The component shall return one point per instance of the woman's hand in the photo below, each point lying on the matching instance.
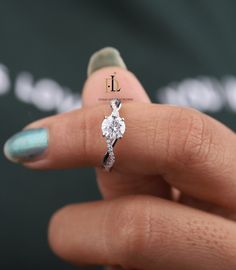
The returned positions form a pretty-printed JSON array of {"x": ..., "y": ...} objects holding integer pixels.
[{"x": 141, "y": 224}]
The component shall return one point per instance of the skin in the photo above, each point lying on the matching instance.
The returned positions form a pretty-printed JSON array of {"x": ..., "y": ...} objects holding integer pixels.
[{"x": 169, "y": 202}]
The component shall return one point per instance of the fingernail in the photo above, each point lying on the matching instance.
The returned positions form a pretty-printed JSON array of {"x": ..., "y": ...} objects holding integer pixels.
[
  {"x": 26, "y": 145},
  {"x": 106, "y": 57}
]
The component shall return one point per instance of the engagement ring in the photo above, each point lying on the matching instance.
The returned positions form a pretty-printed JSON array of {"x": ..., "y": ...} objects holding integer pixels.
[{"x": 113, "y": 128}]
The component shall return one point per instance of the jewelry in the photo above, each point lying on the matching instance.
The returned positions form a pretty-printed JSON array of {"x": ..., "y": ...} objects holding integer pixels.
[{"x": 113, "y": 128}]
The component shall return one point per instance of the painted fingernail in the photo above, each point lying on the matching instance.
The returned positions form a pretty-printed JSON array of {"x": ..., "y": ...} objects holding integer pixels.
[
  {"x": 26, "y": 145},
  {"x": 106, "y": 57}
]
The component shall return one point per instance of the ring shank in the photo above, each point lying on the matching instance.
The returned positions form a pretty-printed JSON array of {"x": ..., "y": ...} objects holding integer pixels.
[{"x": 113, "y": 128}]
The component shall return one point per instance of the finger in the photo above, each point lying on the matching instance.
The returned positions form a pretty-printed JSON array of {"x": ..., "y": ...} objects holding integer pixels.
[
  {"x": 116, "y": 184},
  {"x": 187, "y": 148},
  {"x": 207, "y": 207},
  {"x": 143, "y": 232},
  {"x": 102, "y": 65}
]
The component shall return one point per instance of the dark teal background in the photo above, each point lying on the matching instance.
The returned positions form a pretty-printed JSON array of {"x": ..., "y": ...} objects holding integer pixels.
[{"x": 161, "y": 41}]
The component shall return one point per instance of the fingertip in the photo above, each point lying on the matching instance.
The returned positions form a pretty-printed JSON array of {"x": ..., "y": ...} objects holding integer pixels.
[
  {"x": 57, "y": 228},
  {"x": 109, "y": 78},
  {"x": 106, "y": 57},
  {"x": 95, "y": 89}
]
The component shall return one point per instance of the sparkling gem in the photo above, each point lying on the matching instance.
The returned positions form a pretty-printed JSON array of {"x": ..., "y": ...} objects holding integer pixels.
[{"x": 113, "y": 127}]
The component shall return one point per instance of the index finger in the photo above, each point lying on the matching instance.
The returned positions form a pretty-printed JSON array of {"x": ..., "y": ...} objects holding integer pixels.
[{"x": 192, "y": 151}]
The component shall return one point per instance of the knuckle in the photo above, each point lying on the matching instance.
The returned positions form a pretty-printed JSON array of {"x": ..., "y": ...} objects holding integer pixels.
[
  {"x": 134, "y": 227},
  {"x": 90, "y": 149},
  {"x": 189, "y": 137},
  {"x": 88, "y": 145},
  {"x": 85, "y": 133}
]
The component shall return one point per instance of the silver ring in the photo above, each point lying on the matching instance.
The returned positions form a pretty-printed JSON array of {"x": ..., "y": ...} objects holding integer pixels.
[{"x": 113, "y": 128}]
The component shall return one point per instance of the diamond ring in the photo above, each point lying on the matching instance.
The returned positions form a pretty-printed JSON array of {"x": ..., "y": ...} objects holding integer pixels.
[{"x": 113, "y": 128}]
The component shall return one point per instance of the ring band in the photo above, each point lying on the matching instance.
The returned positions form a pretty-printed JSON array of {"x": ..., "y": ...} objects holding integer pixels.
[{"x": 113, "y": 128}]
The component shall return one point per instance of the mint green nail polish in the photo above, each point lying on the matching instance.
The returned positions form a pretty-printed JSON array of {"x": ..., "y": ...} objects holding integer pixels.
[
  {"x": 106, "y": 57},
  {"x": 26, "y": 145}
]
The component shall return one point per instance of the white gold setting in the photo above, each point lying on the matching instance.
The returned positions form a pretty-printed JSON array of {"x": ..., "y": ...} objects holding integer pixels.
[{"x": 113, "y": 128}]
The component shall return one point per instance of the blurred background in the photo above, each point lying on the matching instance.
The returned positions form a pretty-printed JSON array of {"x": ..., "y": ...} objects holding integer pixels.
[{"x": 184, "y": 53}]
